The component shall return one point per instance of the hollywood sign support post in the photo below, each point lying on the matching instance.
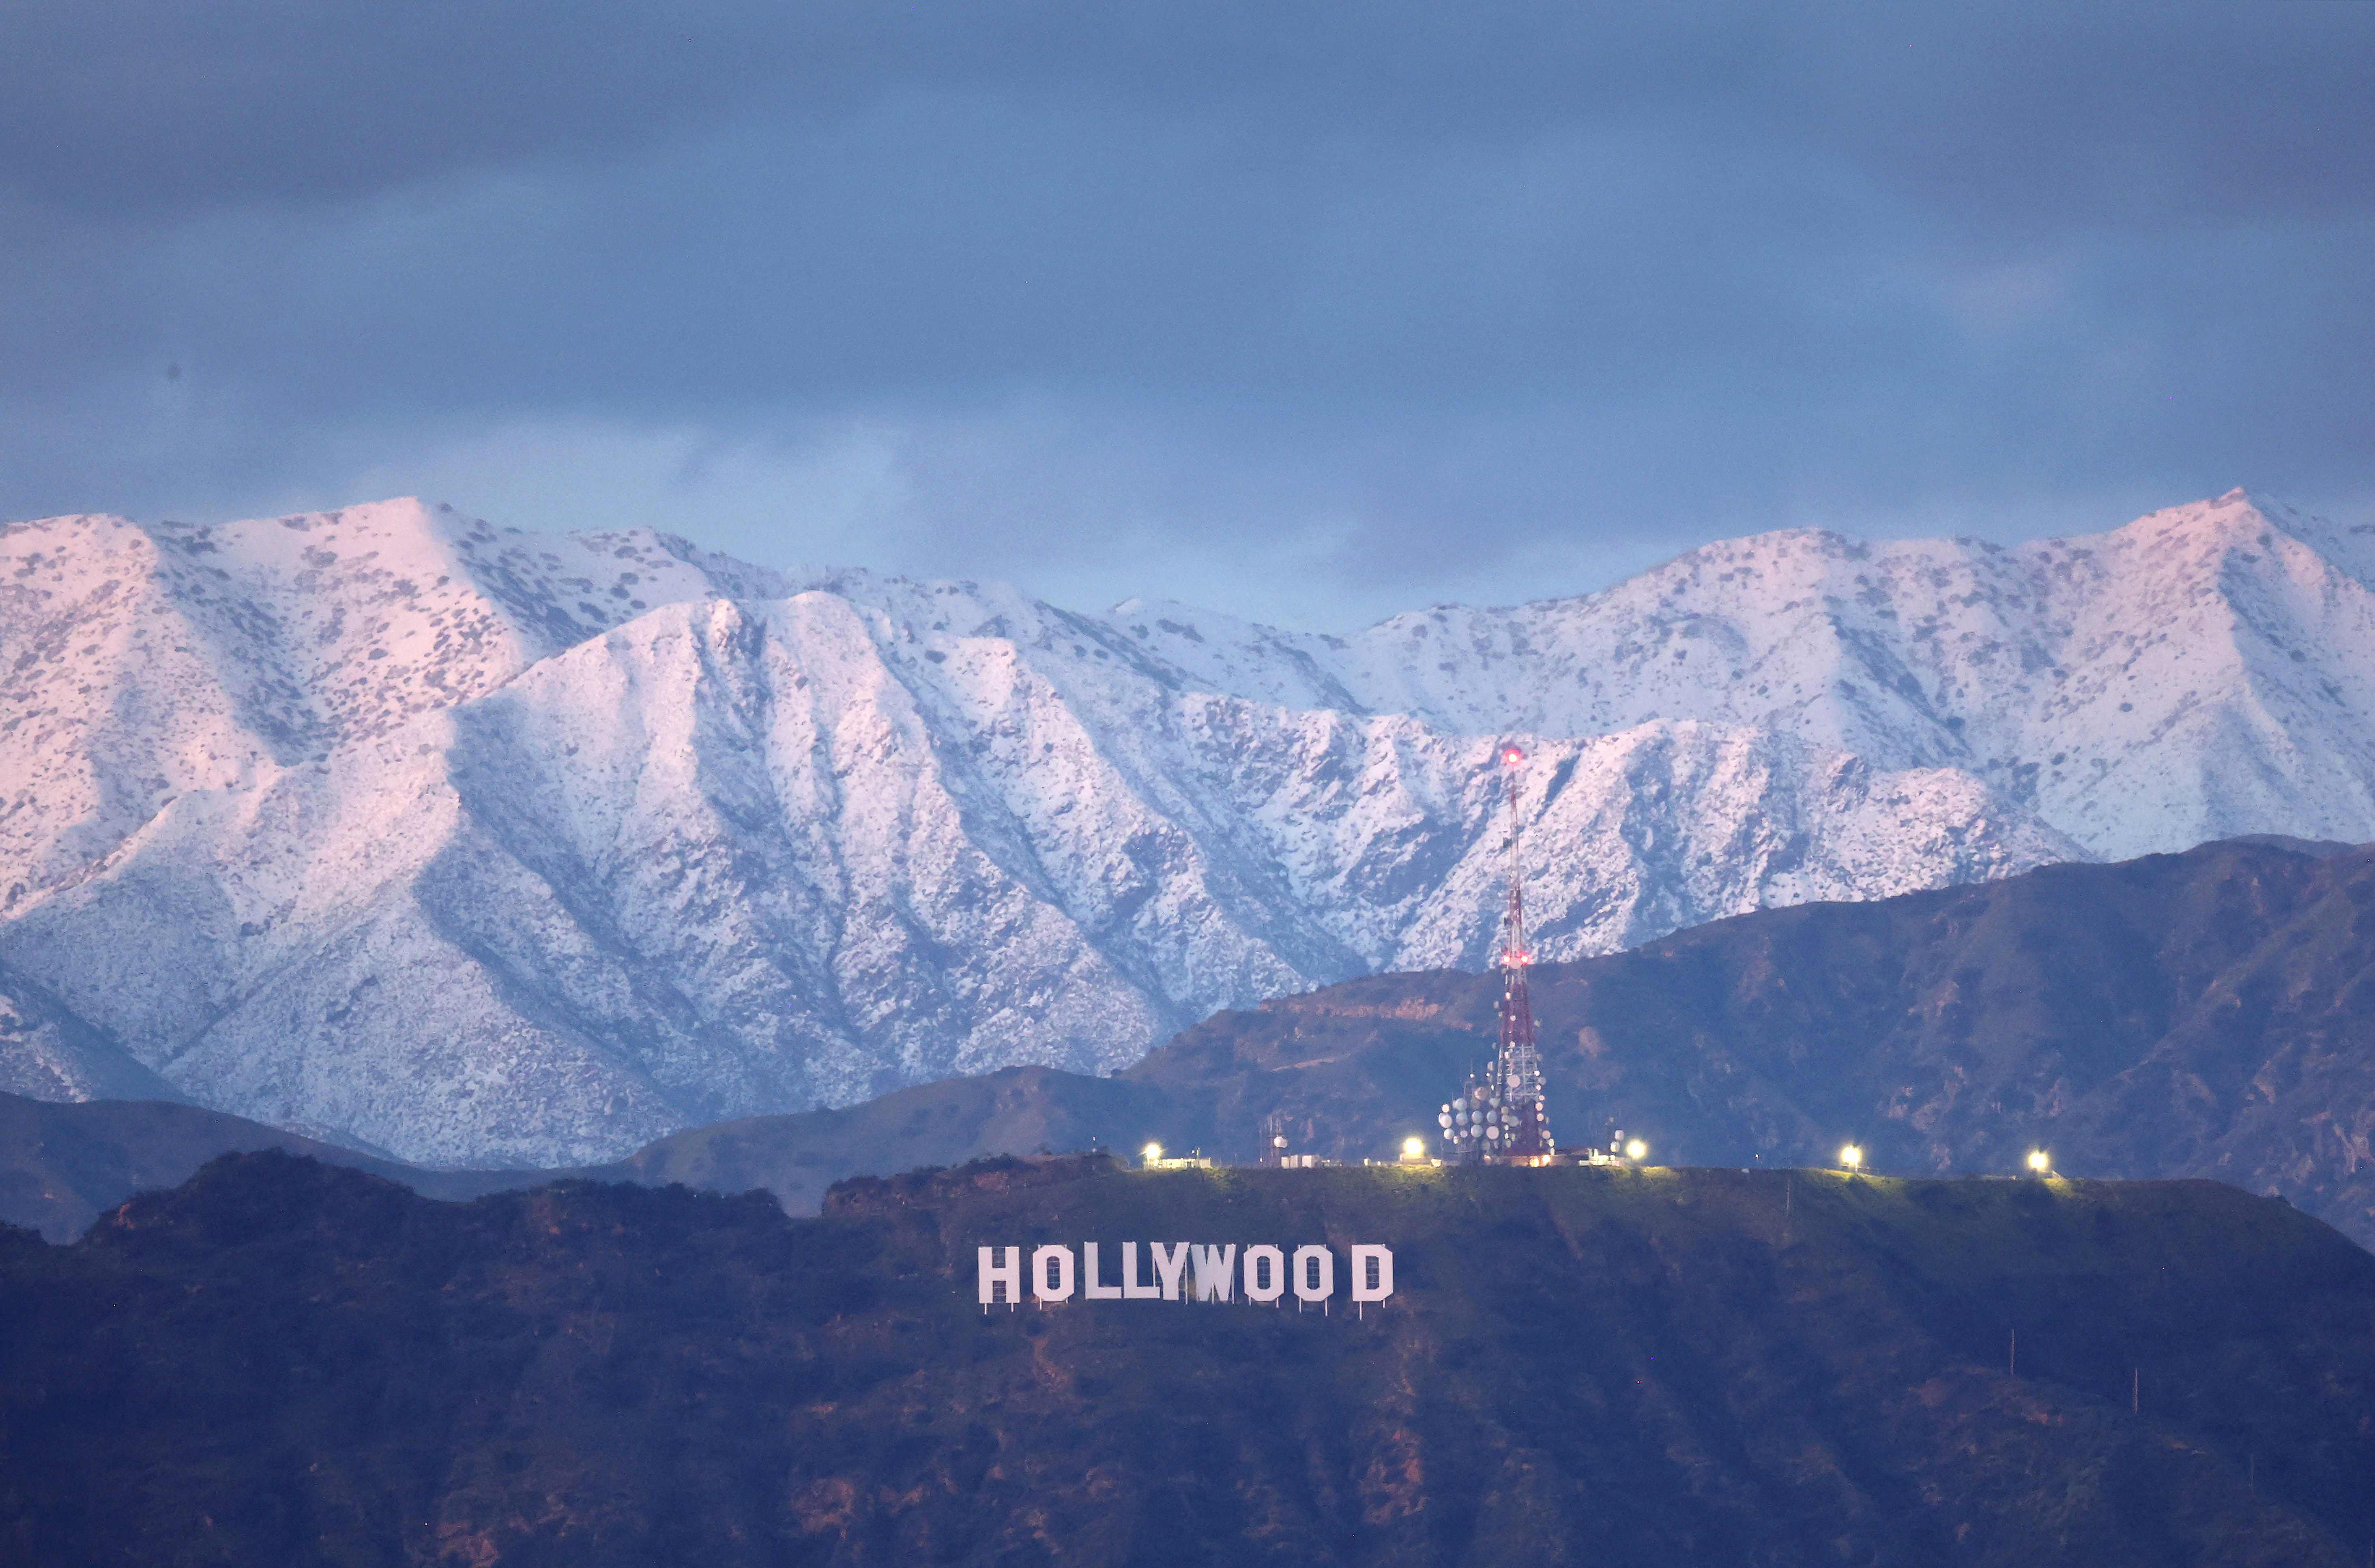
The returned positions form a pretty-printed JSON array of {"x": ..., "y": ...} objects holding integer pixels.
[{"x": 1182, "y": 1272}]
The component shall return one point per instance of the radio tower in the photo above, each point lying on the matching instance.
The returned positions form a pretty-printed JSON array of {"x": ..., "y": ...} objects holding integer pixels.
[{"x": 1499, "y": 1118}]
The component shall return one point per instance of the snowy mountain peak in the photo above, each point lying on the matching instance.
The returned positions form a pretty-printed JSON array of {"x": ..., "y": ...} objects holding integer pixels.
[
  {"x": 475, "y": 845},
  {"x": 146, "y": 661}
]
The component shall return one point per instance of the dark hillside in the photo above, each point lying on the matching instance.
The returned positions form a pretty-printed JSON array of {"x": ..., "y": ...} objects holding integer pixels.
[
  {"x": 282, "y": 1362},
  {"x": 63, "y": 1165},
  {"x": 1014, "y": 1111},
  {"x": 2206, "y": 1014}
]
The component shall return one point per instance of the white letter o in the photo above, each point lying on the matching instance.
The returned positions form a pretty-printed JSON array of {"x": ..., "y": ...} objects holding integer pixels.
[
  {"x": 1275, "y": 1274},
  {"x": 1326, "y": 1270},
  {"x": 1061, "y": 1291}
]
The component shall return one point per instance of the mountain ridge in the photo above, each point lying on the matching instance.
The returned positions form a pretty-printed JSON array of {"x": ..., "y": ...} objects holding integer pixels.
[{"x": 482, "y": 847}]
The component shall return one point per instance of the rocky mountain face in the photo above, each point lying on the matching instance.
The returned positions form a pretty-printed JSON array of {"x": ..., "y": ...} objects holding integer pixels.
[
  {"x": 304, "y": 1364},
  {"x": 452, "y": 842}
]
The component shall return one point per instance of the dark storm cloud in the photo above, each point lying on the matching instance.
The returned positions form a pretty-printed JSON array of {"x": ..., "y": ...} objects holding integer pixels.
[
  {"x": 1404, "y": 290},
  {"x": 131, "y": 106},
  {"x": 2110, "y": 110}
]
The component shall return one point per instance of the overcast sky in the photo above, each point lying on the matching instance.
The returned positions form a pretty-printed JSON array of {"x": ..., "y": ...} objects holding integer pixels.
[{"x": 1308, "y": 311}]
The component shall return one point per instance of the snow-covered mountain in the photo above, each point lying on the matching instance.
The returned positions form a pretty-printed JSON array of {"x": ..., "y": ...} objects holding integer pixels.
[{"x": 474, "y": 845}]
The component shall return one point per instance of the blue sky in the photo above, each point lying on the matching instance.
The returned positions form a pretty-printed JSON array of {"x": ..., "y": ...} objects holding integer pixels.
[{"x": 1307, "y": 311}]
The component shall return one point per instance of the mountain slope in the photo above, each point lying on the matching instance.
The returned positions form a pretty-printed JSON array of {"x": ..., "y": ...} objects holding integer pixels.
[
  {"x": 50, "y": 1054},
  {"x": 301, "y": 1363},
  {"x": 142, "y": 663},
  {"x": 63, "y": 1165},
  {"x": 2198, "y": 1015},
  {"x": 2207, "y": 1014},
  {"x": 481, "y": 848}
]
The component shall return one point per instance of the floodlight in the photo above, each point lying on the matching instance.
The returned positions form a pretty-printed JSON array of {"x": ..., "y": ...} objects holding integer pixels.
[
  {"x": 1152, "y": 1152},
  {"x": 1852, "y": 1157},
  {"x": 2040, "y": 1160},
  {"x": 1413, "y": 1148},
  {"x": 1636, "y": 1149}
]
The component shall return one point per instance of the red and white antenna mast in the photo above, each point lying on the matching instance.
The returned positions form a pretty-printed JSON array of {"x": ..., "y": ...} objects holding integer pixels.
[
  {"x": 1517, "y": 1070},
  {"x": 1500, "y": 1118}
]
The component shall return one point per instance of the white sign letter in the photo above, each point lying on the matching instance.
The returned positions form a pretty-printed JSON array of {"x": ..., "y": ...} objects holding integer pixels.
[
  {"x": 1215, "y": 1271},
  {"x": 1314, "y": 1273},
  {"x": 1170, "y": 1265},
  {"x": 1060, "y": 1287},
  {"x": 1009, "y": 1274},
  {"x": 1265, "y": 1273},
  {"x": 1372, "y": 1273},
  {"x": 1089, "y": 1286},
  {"x": 1130, "y": 1288}
]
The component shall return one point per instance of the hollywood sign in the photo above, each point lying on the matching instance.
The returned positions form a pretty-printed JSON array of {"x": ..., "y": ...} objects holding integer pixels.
[{"x": 1179, "y": 1271}]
